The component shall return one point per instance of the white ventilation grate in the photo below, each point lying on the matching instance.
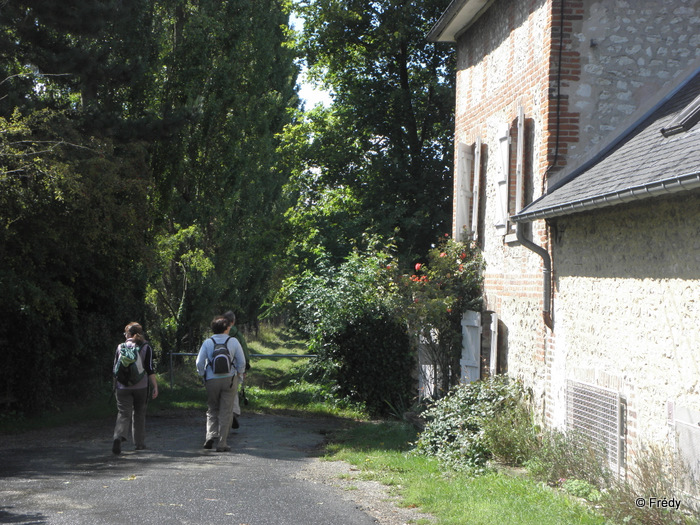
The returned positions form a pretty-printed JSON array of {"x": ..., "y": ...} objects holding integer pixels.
[{"x": 596, "y": 414}]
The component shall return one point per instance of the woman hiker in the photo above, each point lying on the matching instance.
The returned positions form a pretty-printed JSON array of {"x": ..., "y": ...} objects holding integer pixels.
[
  {"x": 132, "y": 388},
  {"x": 221, "y": 382}
]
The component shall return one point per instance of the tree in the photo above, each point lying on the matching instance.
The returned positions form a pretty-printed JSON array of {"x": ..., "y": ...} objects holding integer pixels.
[
  {"x": 390, "y": 124},
  {"x": 228, "y": 77},
  {"x": 73, "y": 206}
]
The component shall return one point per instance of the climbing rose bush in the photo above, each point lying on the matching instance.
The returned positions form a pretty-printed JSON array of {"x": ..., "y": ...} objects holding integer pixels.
[{"x": 435, "y": 296}]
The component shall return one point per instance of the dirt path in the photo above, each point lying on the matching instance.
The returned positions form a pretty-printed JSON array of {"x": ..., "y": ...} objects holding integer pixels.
[{"x": 273, "y": 477}]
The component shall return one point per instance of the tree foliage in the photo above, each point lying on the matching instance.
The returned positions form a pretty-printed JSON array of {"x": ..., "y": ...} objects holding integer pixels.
[
  {"x": 379, "y": 158},
  {"x": 228, "y": 75},
  {"x": 137, "y": 161}
]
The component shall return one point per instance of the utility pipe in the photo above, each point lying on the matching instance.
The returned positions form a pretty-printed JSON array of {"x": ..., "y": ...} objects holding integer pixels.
[{"x": 546, "y": 272}]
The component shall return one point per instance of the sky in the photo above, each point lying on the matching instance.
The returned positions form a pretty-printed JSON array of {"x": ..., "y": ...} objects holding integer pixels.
[{"x": 307, "y": 91}]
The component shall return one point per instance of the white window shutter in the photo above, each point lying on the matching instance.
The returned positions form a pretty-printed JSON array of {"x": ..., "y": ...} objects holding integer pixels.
[
  {"x": 502, "y": 177},
  {"x": 476, "y": 178},
  {"x": 519, "y": 169},
  {"x": 464, "y": 190}
]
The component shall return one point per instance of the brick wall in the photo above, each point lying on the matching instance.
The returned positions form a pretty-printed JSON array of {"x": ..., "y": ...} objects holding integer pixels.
[{"x": 501, "y": 65}]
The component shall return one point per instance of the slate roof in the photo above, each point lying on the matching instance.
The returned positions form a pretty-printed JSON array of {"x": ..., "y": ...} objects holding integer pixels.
[{"x": 641, "y": 163}]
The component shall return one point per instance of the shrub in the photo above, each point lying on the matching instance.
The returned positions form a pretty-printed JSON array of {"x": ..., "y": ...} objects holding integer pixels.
[
  {"x": 455, "y": 432},
  {"x": 374, "y": 362},
  {"x": 651, "y": 476},
  {"x": 562, "y": 456},
  {"x": 435, "y": 296},
  {"x": 581, "y": 489},
  {"x": 349, "y": 313},
  {"x": 511, "y": 435}
]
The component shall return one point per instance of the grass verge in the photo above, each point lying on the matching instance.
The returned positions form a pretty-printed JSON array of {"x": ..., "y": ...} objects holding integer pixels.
[{"x": 382, "y": 451}]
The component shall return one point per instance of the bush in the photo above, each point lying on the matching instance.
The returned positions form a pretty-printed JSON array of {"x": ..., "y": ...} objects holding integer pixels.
[
  {"x": 374, "y": 361},
  {"x": 435, "y": 296},
  {"x": 651, "y": 476},
  {"x": 455, "y": 430},
  {"x": 511, "y": 435},
  {"x": 350, "y": 314},
  {"x": 561, "y": 456}
]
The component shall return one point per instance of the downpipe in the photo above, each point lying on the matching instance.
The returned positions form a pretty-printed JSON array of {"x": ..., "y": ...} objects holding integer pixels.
[{"x": 546, "y": 272}]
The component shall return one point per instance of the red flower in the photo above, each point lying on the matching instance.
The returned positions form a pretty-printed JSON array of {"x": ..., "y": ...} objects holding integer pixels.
[
  {"x": 443, "y": 254},
  {"x": 418, "y": 265},
  {"x": 463, "y": 256}
]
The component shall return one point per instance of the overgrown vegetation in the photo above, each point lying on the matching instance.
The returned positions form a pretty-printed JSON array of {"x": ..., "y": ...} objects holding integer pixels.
[
  {"x": 481, "y": 427},
  {"x": 365, "y": 319}
]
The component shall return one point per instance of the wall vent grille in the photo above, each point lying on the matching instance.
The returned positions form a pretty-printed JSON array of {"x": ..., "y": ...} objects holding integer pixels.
[{"x": 597, "y": 415}]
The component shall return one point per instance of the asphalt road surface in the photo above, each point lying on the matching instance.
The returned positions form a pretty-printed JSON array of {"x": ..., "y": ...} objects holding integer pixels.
[{"x": 70, "y": 476}]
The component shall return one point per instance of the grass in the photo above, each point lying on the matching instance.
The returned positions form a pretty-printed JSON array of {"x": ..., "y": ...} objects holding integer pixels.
[{"x": 381, "y": 450}]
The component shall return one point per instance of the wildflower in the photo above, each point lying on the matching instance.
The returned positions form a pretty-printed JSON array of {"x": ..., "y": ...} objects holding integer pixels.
[
  {"x": 418, "y": 266},
  {"x": 443, "y": 254},
  {"x": 463, "y": 256}
]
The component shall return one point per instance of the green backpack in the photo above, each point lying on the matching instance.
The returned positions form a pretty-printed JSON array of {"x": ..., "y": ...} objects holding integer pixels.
[{"x": 129, "y": 368}]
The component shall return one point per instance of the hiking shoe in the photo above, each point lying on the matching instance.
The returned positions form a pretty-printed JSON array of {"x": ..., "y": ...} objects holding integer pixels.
[
  {"x": 117, "y": 446},
  {"x": 208, "y": 444},
  {"x": 225, "y": 448},
  {"x": 235, "y": 423}
]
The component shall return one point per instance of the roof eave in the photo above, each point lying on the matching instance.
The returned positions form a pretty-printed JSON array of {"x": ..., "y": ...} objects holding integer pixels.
[
  {"x": 460, "y": 14},
  {"x": 683, "y": 183}
]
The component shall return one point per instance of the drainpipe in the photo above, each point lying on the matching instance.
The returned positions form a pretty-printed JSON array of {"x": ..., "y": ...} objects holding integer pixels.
[{"x": 546, "y": 272}]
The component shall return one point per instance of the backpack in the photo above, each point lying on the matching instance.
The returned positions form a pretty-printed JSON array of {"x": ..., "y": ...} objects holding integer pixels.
[
  {"x": 221, "y": 358},
  {"x": 129, "y": 368}
]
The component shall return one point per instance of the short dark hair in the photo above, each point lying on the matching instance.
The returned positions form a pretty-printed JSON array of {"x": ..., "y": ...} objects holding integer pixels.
[
  {"x": 230, "y": 316},
  {"x": 219, "y": 324}
]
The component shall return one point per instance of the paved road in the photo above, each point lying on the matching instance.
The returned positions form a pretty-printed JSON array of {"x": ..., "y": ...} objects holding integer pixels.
[{"x": 70, "y": 476}]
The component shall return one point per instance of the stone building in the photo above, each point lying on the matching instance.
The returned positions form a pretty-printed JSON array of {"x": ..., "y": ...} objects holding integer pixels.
[{"x": 577, "y": 172}]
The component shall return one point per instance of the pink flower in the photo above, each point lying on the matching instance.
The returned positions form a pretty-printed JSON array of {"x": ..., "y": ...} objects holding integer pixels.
[
  {"x": 418, "y": 266},
  {"x": 443, "y": 254}
]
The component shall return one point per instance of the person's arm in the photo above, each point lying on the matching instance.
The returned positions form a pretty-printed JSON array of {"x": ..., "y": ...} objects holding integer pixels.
[
  {"x": 202, "y": 359},
  {"x": 238, "y": 357},
  {"x": 154, "y": 385},
  {"x": 151, "y": 371}
]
